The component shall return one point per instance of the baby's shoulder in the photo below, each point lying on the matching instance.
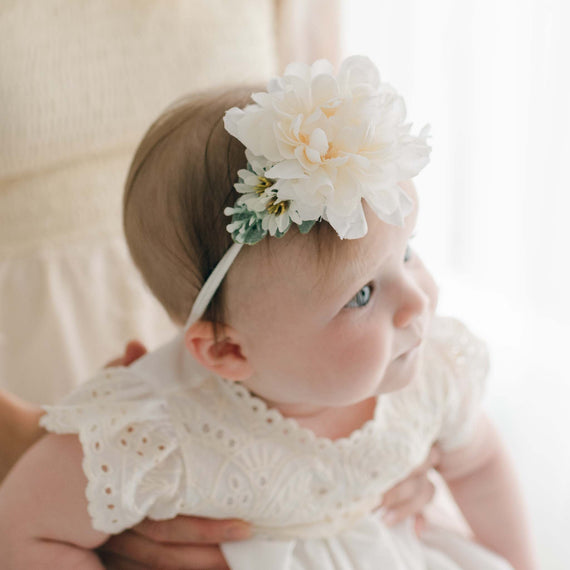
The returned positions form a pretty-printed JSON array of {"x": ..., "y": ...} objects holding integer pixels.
[
  {"x": 156, "y": 390},
  {"x": 112, "y": 397}
]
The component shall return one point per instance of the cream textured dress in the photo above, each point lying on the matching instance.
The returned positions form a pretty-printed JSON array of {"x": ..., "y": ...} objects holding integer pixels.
[
  {"x": 80, "y": 81},
  {"x": 165, "y": 437}
]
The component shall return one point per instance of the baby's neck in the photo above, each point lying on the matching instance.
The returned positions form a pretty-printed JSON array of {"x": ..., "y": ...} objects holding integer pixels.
[{"x": 332, "y": 423}]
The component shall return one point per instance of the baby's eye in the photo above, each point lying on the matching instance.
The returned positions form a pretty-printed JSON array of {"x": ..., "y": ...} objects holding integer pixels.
[{"x": 361, "y": 298}]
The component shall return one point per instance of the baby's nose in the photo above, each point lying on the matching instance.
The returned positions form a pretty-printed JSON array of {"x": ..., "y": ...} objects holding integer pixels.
[{"x": 414, "y": 302}]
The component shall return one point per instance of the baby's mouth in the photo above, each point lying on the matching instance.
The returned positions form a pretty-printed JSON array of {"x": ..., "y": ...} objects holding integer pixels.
[{"x": 410, "y": 350}]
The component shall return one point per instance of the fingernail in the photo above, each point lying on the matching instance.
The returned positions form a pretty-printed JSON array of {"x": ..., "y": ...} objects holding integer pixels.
[{"x": 238, "y": 532}]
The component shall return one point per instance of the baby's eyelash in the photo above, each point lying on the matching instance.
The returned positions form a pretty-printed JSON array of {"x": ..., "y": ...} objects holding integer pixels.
[
  {"x": 353, "y": 303},
  {"x": 409, "y": 252}
]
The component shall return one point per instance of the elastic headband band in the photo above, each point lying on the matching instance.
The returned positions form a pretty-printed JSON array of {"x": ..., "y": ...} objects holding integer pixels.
[{"x": 211, "y": 285}]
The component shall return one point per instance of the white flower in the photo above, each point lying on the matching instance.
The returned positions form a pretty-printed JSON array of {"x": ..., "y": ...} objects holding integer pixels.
[
  {"x": 329, "y": 142},
  {"x": 259, "y": 209}
]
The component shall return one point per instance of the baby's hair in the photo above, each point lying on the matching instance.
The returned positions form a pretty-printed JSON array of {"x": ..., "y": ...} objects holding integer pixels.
[{"x": 179, "y": 183}]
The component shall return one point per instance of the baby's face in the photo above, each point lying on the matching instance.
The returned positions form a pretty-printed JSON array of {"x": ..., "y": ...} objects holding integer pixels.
[{"x": 338, "y": 338}]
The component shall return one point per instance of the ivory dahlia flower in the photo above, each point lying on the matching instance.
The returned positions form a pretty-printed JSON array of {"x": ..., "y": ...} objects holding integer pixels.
[{"x": 326, "y": 143}]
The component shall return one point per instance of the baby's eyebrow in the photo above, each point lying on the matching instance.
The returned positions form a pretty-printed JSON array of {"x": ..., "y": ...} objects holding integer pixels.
[
  {"x": 346, "y": 278},
  {"x": 355, "y": 275}
]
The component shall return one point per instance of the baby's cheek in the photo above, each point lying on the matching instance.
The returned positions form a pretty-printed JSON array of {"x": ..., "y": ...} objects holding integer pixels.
[{"x": 366, "y": 358}]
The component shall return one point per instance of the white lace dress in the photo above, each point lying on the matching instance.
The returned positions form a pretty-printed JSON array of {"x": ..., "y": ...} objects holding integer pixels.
[{"x": 164, "y": 437}]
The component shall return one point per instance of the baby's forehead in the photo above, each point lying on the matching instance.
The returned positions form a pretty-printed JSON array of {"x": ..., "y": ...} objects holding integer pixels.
[
  {"x": 288, "y": 281},
  {"x": 318, "y": 263},
  {"x": 315, "y": 263}
]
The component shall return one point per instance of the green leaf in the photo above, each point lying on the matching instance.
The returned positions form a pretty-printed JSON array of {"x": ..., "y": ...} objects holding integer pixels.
[{"x": 306, "y": 226}]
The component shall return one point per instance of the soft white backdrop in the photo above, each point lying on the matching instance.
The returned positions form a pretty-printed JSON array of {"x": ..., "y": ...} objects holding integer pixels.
[{"x": 492, "y": 78}]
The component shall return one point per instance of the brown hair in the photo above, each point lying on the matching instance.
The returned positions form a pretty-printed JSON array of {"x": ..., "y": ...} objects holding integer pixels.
[{"x": 179, "y": 183}]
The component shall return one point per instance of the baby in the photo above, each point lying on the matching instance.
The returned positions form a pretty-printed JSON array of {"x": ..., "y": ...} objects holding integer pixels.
[{"x": 310, "y": 375}]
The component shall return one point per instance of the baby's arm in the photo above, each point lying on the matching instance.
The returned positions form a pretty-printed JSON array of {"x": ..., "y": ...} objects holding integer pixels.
[
  {"x": 482, "y": 482},
  {"x": 44, "y": 523}
]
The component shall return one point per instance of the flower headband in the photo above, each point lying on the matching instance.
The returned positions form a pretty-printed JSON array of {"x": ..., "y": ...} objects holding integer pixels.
[{"x": 316, "y": 146}]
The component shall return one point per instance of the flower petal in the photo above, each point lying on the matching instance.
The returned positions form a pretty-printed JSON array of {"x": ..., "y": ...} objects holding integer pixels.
[
  {"x": 322, "y": 67},
  {"x": 356, "y": 72},
  {"x": 259, "y": 164},
  {"x": 324, "y": 89},
  {"x": 254, "y": 128},
  {"x": 391, "y": 205},
  {"x": 286, "y": 169},
  {"x": 298, "y": 69},
  {"x": 307, "y": 162},
  {"x": 351, "y": 226},
  {"x": 319, "y": 141}
]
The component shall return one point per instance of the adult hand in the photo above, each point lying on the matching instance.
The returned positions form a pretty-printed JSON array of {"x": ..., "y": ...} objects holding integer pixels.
[
  {"x": 183, "y": 543},
  {"x": 411, "y": 495},
  {"x": 133, "y": 351}
]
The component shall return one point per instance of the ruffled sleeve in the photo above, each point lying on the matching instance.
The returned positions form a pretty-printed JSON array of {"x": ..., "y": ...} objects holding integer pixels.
[
  {"x": 132, "y": 457},
  {"x": 464, "y": 365}
]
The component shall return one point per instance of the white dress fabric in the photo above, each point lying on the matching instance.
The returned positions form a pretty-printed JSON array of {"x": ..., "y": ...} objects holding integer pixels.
[
  {"x": 81, "y": 83},
  {"x": 166, "y": 437}
]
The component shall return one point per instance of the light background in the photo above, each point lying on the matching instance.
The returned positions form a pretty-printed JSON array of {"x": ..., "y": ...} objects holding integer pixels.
[{"x": 492, "y": 78}]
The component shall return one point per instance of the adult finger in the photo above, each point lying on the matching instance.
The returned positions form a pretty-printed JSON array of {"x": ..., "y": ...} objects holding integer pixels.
[
  {"x": 412, "y": 505},
  {"x": 186, "y": 530},
  {"x": 144, "y": 553},
  {"x": 113, "y": 561},
  {"x": 133, "y": 351}
]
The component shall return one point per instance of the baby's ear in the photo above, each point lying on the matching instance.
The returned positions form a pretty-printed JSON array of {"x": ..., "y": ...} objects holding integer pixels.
[{"x": 225, "y": 357}]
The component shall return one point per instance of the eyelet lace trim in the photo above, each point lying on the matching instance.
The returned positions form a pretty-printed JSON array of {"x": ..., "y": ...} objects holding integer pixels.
[{"x": 278, "y": 426}]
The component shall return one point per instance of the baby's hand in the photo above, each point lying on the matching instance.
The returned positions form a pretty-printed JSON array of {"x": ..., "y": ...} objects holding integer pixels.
[
  {"x": 411, "y": 495},
  {"x": 183, "y": 543}
]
